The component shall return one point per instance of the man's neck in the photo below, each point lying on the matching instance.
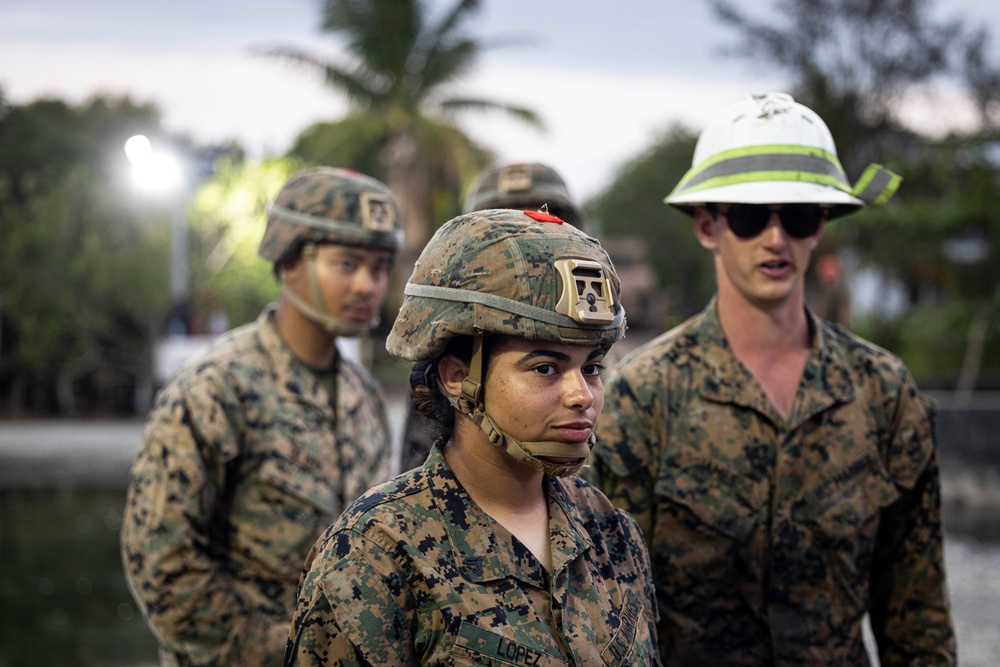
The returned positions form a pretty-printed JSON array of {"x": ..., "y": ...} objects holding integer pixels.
[
  {"x": 772, "y": 343},
  {"x": 307, "y": 340},
  {"x": 759, "y": 327}
]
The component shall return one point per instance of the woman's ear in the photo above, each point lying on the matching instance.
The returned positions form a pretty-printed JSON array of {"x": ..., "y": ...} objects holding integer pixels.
[{"x": 452, "y": 371}]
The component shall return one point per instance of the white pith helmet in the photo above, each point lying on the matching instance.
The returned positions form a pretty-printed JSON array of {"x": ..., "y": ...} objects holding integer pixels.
[{"x": 769, "y": 149}]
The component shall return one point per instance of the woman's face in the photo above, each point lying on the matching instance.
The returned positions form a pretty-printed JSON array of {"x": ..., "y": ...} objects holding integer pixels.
[{"x": 544, "y": 391}]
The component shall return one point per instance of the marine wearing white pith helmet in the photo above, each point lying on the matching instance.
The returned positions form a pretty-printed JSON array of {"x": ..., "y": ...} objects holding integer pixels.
[{"x": 769, "y": 149}]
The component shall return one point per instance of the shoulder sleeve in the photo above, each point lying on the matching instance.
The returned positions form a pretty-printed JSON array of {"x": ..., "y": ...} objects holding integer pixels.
[
  {"x": 912, "y": 432},
  {"x": 188, "y": 598},
  {"x": 630, "y": 434},
  {"x": 362, "y": 431},
  {"x": 910, "y": 607}
]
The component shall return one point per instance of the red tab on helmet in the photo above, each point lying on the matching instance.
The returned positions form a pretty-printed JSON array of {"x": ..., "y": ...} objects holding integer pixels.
[{"x": 543, "y": 217}]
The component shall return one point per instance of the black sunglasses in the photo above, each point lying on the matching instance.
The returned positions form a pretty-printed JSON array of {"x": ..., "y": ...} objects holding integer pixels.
[{"x": 748, "y": 220}]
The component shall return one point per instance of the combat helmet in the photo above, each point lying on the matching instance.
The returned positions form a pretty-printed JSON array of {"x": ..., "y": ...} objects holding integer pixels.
[
  {"x": 515, "y": 273},
  {"x": 329, "y": 205},
  {"x": 521, "y": 185},
  {"x": 769, "y": 149}
]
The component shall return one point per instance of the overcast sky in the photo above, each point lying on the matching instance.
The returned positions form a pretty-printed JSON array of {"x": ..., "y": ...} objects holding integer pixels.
[{"x": 606, "y": 77}]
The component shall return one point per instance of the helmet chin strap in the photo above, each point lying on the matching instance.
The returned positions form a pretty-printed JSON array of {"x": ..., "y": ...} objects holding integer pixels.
[
  {"x": 336, "y": 326},
  {"x": 470, "y": 403}
]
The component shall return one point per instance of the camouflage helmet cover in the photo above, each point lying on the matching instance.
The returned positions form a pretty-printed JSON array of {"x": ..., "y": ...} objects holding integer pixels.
[
  {"x": 522, "y": 185},
  {"x": 514, "y": 273},
  {"x": 330, "y": 205}
]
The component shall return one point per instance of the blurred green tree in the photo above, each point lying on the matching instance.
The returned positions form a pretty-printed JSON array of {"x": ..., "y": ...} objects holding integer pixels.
[
  {"x": 77, "y": 300},
  {"x": 398, "y": 75},
  {"x": 862, "y": 65},
  {"x": 229, "y": 211},
  {"x": 633, "y": 206}
]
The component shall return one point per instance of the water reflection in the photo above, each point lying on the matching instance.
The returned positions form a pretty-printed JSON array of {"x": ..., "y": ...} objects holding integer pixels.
[{"x": 64, "y": 597}]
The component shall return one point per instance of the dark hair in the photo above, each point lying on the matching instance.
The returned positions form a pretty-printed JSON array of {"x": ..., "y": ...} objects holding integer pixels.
[{"x": 289, "y": 259}]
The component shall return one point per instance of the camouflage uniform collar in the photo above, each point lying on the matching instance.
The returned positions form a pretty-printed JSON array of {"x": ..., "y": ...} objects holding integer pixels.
[
  {"x": 829, "y": 368},
  {"x": 826, "y": 378},
  {"x": 296, "y": 382},
  {"x": 724, "y": 379},
  {"x": 569, "y": 539},
  {"x": 481, "y": 552}
]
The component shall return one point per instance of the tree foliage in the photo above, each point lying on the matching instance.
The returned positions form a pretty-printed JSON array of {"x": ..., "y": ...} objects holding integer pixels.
[
  {"x": 399, "y": 76},
  {"x": 439, "y": 169},
  {"x": 858, "y": 64},
  {"x": 76, "y": 295},
  {"x": 633, "y": 206},
  {"x": 229, "y": 213}
]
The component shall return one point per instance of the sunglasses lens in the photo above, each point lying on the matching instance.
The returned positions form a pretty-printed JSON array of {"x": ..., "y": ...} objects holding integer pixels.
[
  {"x": 799, "y": 220},
  {"x": 747, "y": 220}
]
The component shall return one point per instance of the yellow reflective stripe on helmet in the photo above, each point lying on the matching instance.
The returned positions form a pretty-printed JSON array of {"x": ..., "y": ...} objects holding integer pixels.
[
  {"x": 877, "y": 185},
  {"x": 757, "y": 176},
  {"x": 769, "y": 149},
  {"x": 766, "y": 163},
  {"x": 777, "y": 162}
]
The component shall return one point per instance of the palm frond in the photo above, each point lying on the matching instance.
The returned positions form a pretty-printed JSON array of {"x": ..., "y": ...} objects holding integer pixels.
[
  {"x": 381, "y": 33},
  {"x": 523, "y": 114},
  {"x": 447, "y": 66},
  {"x": 360, "y": 87}
]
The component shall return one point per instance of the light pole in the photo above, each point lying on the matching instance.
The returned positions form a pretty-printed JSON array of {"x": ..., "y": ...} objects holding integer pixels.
[{"x": 162, "y": 173}]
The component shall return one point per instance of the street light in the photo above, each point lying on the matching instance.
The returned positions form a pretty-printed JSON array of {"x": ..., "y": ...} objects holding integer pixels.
[{"x": 161, "y": 173}]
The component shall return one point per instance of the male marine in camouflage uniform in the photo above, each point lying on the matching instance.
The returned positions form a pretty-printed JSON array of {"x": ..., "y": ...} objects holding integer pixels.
[
  {"x": 524, "y": 186},
  {"x": 784, "y": 471},
  {"x": 254, "y": 448},
  {"x": 419, "y": 571}
]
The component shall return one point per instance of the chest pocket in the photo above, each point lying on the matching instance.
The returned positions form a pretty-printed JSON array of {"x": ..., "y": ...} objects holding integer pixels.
[
  {"x": 844, "y": 511},
  {"x": 476, "y": 646},
  {"x": 713, "y": 504},
  {"x": 303, "y": 483},
  {"x": 632, "y": 644},
  {"x": 278, "y": 516}
]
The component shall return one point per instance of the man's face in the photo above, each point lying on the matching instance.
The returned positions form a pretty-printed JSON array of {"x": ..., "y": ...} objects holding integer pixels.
[
  {"x": 352, "y": 280},
  {"x": 766, "y": 269}
]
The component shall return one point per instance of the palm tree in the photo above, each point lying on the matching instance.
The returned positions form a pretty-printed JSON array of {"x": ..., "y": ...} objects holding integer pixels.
[{"x": 397, "y": 79}]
